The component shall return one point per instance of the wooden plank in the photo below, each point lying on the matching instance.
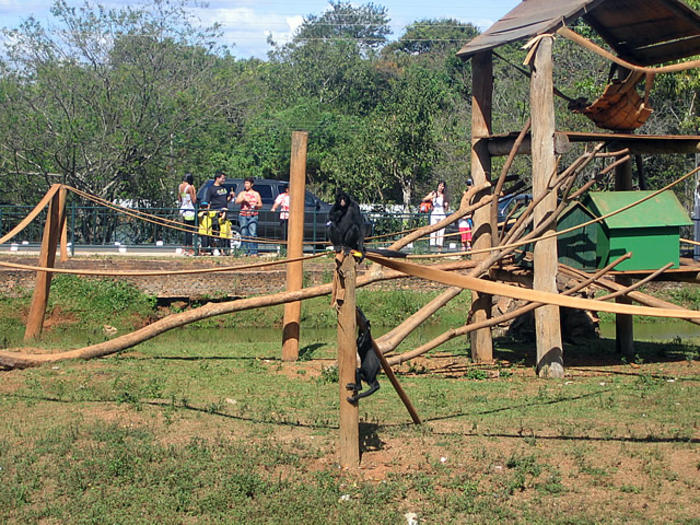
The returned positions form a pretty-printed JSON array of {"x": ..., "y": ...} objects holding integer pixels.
[
  {"x": 482, "y": 93},
  {"x": 295, "y": 244},
  {"x": 550, "y": 361}
]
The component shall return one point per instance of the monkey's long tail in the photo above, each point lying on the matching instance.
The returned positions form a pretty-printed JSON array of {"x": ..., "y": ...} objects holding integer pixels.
[{"x": 385, "y": 252}]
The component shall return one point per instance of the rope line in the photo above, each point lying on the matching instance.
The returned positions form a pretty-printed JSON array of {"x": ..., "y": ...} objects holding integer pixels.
[
  {"x": 32, "y": 214},
  {"x": 126, "y": 273}
]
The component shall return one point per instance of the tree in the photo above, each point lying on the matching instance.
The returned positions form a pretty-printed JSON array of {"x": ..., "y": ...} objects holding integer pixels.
[{"x": 109, "y": 98}]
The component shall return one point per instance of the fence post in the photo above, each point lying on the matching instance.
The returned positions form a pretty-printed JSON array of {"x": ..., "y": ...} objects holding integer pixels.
[
  {"x": 295, "y": 244},
  {"x": 347, "y": 361},
  {"x": 47, "y": 257}
]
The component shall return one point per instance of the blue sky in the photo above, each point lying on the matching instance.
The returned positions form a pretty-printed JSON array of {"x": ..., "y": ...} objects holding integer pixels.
[{"x": 246, "y": 23}]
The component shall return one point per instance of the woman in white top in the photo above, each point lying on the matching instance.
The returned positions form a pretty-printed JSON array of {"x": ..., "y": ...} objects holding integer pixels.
[
  {"x": 438, "y": 197},
  {"x": 187, "y": 198}
]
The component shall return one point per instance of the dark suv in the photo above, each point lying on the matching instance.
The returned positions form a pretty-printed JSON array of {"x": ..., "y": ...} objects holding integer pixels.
[{"x": 315, "y": 210}]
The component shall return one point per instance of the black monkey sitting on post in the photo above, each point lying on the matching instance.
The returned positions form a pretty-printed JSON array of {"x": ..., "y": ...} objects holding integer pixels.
[
  {"x": 345, "y": 225},
  {"x": 369, "y": 362},
  {"x": 346, "y": 228}
]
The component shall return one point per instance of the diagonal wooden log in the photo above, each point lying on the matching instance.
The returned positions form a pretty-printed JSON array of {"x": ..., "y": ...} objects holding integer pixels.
[
  {"x": 47, "y": 257},
  {"x": 502, "y": 177},
  {"x": 463, "y": 330},
  {"x": 639, "y": 297}
]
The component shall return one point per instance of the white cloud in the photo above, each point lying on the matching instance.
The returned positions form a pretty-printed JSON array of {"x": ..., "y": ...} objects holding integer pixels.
[{"x": 247, "y": 29}]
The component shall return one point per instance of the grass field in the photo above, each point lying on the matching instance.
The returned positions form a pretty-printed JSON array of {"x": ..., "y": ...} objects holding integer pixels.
[{"x": 207, "y": 424}]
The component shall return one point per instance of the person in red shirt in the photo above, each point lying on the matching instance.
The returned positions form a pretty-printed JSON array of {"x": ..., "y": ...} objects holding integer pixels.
[{"x": 250, "y": 202}]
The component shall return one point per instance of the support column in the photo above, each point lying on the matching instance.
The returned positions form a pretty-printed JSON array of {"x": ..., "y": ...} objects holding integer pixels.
[
  {"x": 550, "y": 359},
  {"x": 295, "y": 244},
  {"x": 482, "y": 93},
  {"x": 624, "y": 323},
  {"x": 347, "y": 363},
  {"x": 47, "y": 258}
]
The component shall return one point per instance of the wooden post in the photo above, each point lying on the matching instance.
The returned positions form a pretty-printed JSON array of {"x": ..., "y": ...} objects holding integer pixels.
[
  {"x": 47, "y": 257},
  {"x": 624, "y": 323},
  {"x": 482, "y": 93},
  {"x": 63, "y": 224},
  {"x": 347, "y": 363},
  {"x": 550, "y": 360},
  {"x": 295, "y": 244}
]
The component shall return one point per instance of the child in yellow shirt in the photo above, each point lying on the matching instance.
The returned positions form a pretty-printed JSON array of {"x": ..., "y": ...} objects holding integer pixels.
[
  {"x": 225, "y": 233},
  {"x": 205, "y": 228}
]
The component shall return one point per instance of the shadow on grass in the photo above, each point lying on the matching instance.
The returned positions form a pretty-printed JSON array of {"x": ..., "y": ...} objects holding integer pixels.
[
  {"x": 369, "y": 438},
  {"x": 369, "y": 432},
  {"x": 600, "y": 352}
]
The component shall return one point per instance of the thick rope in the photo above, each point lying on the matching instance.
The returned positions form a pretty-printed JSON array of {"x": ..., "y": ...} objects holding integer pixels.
[
  {"x": 32, "y": 214},
  {"x": 582, "y": 41}
]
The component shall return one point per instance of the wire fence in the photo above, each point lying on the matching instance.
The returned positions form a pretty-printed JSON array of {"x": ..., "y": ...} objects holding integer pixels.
[{"x": 100, "y": 226}]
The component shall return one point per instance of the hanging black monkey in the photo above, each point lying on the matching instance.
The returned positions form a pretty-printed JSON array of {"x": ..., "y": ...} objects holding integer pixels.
[{"x": 369, "y": 362}]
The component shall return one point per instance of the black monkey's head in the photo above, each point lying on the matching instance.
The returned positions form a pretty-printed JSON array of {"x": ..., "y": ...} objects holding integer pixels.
[{"x": 342, "y": 199}]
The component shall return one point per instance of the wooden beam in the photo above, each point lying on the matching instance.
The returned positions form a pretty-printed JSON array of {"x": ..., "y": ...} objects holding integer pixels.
[
  {"x": 47, "y": 258},
  {"x": 550, "y": 361},
  {"x": 482, "y": 95},
  {"x": 500, "y": 145},
  {"x": 295, "y": 245},
  {"x": 347, "y": 362}
]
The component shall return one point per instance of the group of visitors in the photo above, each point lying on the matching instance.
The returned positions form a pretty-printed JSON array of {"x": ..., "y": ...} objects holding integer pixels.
[
  {"x": 437, "y": 204},
  {"x": 215, "y": 226},
  {"x": 216, "y": 230}
]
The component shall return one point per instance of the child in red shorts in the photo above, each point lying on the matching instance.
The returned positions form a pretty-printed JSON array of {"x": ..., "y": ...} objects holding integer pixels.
[{"x": 465, "y": 231}]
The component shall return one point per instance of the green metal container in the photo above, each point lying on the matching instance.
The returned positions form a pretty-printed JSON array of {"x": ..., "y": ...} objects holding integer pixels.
[{"x": 650, "y": 230}]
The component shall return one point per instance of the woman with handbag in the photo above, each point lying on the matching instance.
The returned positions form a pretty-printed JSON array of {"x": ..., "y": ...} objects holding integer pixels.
[{"x": 440, "y": 204}]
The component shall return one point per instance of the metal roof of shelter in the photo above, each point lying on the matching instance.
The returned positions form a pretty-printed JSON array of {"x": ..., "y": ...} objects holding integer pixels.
[
  {"x": 643, "y": 32},
  {"x": 662, "y": 210}
]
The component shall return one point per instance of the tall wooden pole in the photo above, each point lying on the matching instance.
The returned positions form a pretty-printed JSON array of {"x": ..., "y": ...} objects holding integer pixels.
[
  {"x": 347, "y": 363},
  {"x": 295, "y": 244},
  {"x": 624, "y": 323},
  {"x": 482, "y": 93},
  {"x": 47, "y": 257},
  {"x": 550, "y": 359}
]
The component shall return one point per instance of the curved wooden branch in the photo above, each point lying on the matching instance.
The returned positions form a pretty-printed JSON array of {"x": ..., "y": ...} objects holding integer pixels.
[{"x": 15, "y": 358}]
